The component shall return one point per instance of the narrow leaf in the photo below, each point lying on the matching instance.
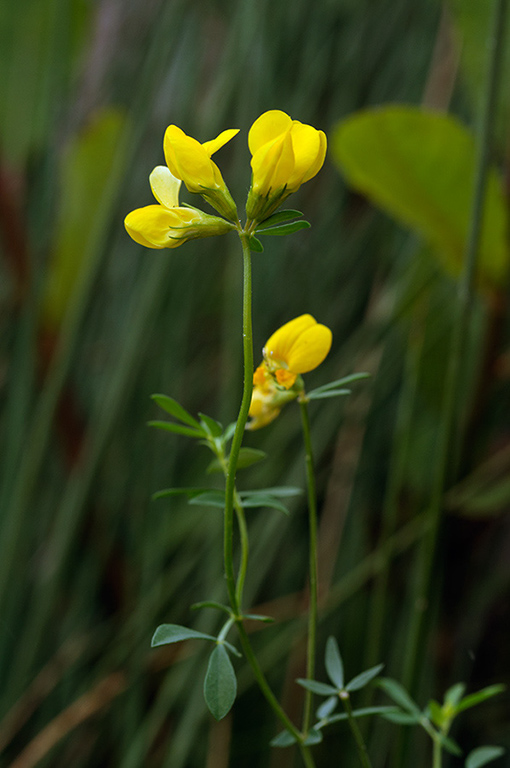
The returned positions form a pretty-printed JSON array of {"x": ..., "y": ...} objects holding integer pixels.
[
  {"x": 437, "y": 716},
  {"x": 215, "y": 428},
  {"x": 278, "y": 218},
  {"x": 362, "y": 679},
  {"x": 350, "y": 379},
  {"x": 178, "y": 429},
  {"x": 189, "y": 492},
  {"x": 454, "y": 694},
  {"x": 398, "y": 693},
  {"x": 476, "y": 698},
  {"x": 282, "y": 491},
  {"x": 285, "y": 229},
  {"x": 327, "y": 707},
  {"x": 284, "y": 739},
  {"x": 211, "y": 604},
  {"x": 329, "y": 393},
  {"x": 175, "y": 409},
  {"x": 249, "y": 456},
  {"x": 483, "y": 755},
  {"x": 314, "y": 737},
  {"x": 209, "y": 499},
  {"x": 363, "y": 712},
  {"x": 174, "y": 633},
  {"x": 333, "y": 662},
  {"x": 450, "y": 745},
  {"x": 264, "y": 500},
  {"x": 315, "y": 687},
  {"x": 259, "y": 617},
  {"x": 220, "y": 684},
  {"x": 401, "y": 718}
]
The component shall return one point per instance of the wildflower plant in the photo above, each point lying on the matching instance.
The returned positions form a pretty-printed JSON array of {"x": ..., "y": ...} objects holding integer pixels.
[{"x": 285, "y": 155}]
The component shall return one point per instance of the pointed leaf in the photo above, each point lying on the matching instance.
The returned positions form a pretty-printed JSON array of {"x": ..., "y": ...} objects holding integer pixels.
[
  {"x": 220, "y": 684},
  {"x": 327, "y": 707},
  {"x": 322, "y": 689},
  {"x": 211, "y": 604},
  {"x": 209, "y": 499},
  {"x": 175, "y": 409},
  {"x": 450, "y": 745},
  {"x": 282, "y": 491},
  {"x": 334, "y": 664},
  {"x": 174, "y": 633},
  {"x": 264, "y": 500},
  {"x": 213, "y": 427},
  {"x": 483, "y": 755},
  {"x": 362, "y": 679},
  {"x": 363, "y": 712},
  {"x": 398, "y": 693},
  {"x": 343, "y": 381},
  {"x": 284, "y": 739},
  {"x": 454, "y": 694},
  {"x": 189, "y": 492},
  {"x": 314, "y": 737},
  {"x": 437, "y": 716},
  {"x": 259, "y": 617},
  {"x": 249, "y": 456},
  {"x": 178, "y": 429},
  {"x": 278, "y": 218},
  {"x": 328, "y": 393},
  {"x": 285, "y": 229},
  {"x": 476, "y": 698},
  {"x": 401, "y": 718}
]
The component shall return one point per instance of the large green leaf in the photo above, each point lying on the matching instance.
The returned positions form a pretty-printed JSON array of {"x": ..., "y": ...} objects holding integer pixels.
[
  {"x": 220, "y": 685},
  {"x": 419, "y": 167}
]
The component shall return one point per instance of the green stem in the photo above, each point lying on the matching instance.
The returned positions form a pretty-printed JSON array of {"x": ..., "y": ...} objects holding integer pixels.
[
  {"x": 313, "y": 585},
  {"x": 358, "y": 738},
  {"x": 449, "y": 438},
  {"x": 437, "y": 754},
  {"x": 239, "y": 431},
  {"x": 243, "y": 536}
]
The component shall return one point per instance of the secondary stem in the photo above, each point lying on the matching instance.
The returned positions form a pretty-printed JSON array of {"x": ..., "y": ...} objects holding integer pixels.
[
  {"x": 313, "y": 585},
  {"x": 358, "y": 738}
]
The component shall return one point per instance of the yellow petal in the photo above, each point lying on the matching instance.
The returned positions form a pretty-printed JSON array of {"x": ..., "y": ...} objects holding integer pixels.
[
  {"x": 188, "y": 160},
  {"x": 279, "y": 345},
  {"x": 310, "y": 349},
  {"x": 319, "y": 160},
  {"x": 215, "y": 144},
  {"x": 157, "y": 227},
  {"x": 306, "y": 144},
  {"x": 165, "y": 186},
  {"x": 267, "y": 127}
]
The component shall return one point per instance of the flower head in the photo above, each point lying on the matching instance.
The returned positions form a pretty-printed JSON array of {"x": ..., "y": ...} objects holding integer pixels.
[
  {"x": 191, "y": 162},
  {"x": 297, "y": 347},
  {"x": 285, "y": 154},
  {"x": 168, "y": 224}
]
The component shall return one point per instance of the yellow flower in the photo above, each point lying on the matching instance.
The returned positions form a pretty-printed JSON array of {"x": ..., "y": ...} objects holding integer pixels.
[
  {"x": 168, "y": 224},
  {"x": 191, "y": 162},
  {"x": 297, "y": 347},
  {"x": 285, "y": 154}
]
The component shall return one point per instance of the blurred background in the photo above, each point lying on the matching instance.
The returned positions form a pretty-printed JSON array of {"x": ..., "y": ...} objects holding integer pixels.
[{"x": 93, "y": 324}]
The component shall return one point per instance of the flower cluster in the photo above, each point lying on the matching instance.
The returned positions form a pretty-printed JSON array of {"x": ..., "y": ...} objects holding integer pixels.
[
  {"x": 285, "y": 154},
  {"x": 297, "y": 347}
]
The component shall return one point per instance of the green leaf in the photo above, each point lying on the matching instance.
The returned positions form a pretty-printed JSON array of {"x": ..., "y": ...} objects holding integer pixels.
[
  {"x": 343, "y": 381},
  {"x": 328, "y": 393},
  {"x": 437, "y": 715},
  {"x": 315, "y": 687},
  {"x": 398, "y": 693},
  {"x": 419, "y": 167},
  {"x": 327, "y": 707},
  {"x": 249, "y": 456},
  {"x": 363, "y": 712},
  {"x": 334, "y": 664},
  {"x": 209, "y": 499},
  {"x": 211, "y": 604},
  {"x": 220, "y": 684},
  {"x": 402, "y": 718},
  {"x": 255, "y": 499},
  {"x": 189, "y": 492},
  {"x": 175, "y": 409},
  {"x": 476, "y": 698},
  {"x": 283, "y": 739},
  {"x": 213, "y": 427},
  {"x": 314, "y": 737},
  {"x": 174, "y": 633},
  {"x": 259, "y": 617},
  {"x": 255, "y": 244},
  {"x": 178, "y": 429},
  {"x": 454, "y": 694},
  {"x": 483, "y": 755},
  {"x": 365, "y": 677},
  {"x": 285, "y": 229},
  {"x": 281, "y": 491},
  {"x": 278, "y": 218},
  {"x": 450, "y": 745}
]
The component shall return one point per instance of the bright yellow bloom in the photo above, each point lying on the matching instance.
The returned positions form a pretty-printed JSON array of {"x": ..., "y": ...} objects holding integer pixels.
[
  {"x": 297, "y": 347},
  {"x": 285, "y": 154},
  {"x": 191, "y": 162},
  {"x": 168, "y": 224}
]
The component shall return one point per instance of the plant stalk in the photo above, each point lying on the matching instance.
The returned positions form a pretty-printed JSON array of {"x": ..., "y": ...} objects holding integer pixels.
[{"x": 358, "y": 738}]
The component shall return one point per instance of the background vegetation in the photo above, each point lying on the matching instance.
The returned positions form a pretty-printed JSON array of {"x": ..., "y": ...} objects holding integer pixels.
[{"x": 92, "y": 324}]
